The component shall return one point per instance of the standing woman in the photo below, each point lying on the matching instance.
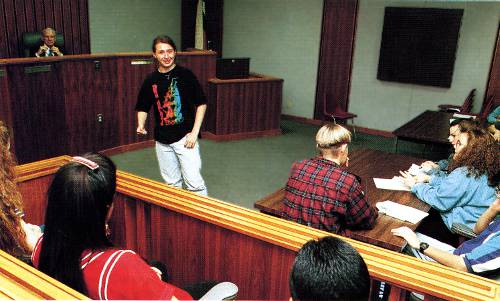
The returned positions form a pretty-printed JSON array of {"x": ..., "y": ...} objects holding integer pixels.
[
  {"x": 12, "y": 235},
  {"x": 467, "y": 191},
  {"x": 75, "y": 248}
]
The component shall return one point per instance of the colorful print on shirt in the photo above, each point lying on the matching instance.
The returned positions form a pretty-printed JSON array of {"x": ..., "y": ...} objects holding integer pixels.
[{"x": 170, "y": 107}]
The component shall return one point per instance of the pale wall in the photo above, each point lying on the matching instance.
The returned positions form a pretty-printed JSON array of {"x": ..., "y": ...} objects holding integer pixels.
[
  {"x": 131, "y": 25},
  {"x": 387, "y": 105},
  {"x": 282, "y": 39}
]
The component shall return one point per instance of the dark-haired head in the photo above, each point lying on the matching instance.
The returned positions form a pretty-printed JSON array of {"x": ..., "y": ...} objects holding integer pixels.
[
  {"x": 79, "y": 200},
  {"x": 329, "y": 269},
  {"x": 163, "y": 39}
]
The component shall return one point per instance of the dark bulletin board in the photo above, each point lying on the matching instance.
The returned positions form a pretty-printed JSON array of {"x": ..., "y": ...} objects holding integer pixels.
[{"x": 419, "y": 45}]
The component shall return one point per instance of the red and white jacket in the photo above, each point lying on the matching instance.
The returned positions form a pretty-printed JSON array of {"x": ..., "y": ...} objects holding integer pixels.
[{"x": 120, "y": 274}]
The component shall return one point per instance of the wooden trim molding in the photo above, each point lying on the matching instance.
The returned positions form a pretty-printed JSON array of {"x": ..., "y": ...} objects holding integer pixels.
[
  {"x": 19, "y": 281},
  {"x": 127, "y": 148},
  {"x": 239, "y": 136},
  {"x": 77, "y": 57}
]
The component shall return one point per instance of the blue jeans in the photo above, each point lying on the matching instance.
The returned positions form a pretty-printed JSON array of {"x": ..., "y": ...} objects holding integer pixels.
[{"x": 179, "y": 164}]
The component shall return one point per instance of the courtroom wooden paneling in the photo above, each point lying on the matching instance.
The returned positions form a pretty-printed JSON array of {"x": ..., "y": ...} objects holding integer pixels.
[
  {"x": 53, "y": 103},
  {"x": 131, "y": 72},
  {"x": 6, "y": 112},
  {"x": 202, "y": 238},
  {"x": 336, "y": 52},
  {"x": 219, "y": 254},
  {"x": 90, "y": 89},
  {"x": 37, "y": 105},
  {"x": 244, "y": 107},
  {"x": 69, "y": 17}
]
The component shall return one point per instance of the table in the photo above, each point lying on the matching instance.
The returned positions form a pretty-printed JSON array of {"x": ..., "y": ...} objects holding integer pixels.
[
  {"x": 430, "y": 127},
  {"x": 367, "y": 164}
]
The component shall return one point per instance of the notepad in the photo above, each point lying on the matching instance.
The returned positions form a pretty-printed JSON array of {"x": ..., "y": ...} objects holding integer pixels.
[
  {"x": 395, "y": 183},
  {"x": 402, "y": 212}
]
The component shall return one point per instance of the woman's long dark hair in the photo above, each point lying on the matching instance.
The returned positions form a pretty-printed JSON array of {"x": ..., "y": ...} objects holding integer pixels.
[{"x": 78, "y": 201}]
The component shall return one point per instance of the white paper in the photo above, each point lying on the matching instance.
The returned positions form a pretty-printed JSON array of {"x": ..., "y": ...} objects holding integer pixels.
[
  {"x": 402, "y": 212},
  {"x": 395, "y": 183},
  {"x": 416, "y": 170}
]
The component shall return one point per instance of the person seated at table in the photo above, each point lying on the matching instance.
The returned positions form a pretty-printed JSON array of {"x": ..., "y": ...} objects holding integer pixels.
[
  {"x": 329, "y": 269},
  {"x": 494, "y": 123},
  {"x": 320, "y": 193},
  {"x": 75, "y": 248},
  {"x": 441, "y": 167},
  {"x": 480, "y": 255},
  {"x": 466, "y": 192},
  {"x": 16, "y": 237},
  {"x": 47, "y": 45}
]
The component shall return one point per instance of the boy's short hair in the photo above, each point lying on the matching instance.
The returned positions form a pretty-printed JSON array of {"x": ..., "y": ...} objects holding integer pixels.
[{"x": 329, "y": 269}]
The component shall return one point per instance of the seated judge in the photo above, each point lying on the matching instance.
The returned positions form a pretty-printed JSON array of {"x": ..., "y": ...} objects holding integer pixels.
[
  {"x": 466, "y": 192},
  {"x": 329, "y": 269},
  {"x": 322, "y": 194},
  {"x": 480, "y": 255},
  {"x": 47, "y": 46}
]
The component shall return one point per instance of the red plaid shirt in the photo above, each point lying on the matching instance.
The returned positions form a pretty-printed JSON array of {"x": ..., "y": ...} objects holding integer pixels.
[{"x": 322, "y": 195}]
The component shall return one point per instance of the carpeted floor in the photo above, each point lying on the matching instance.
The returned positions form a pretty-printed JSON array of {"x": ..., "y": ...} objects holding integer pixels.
[{"x": 244, "y": 171}]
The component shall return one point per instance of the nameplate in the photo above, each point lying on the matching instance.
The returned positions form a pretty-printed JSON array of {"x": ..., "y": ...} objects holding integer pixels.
[
  {"x": 141, "y": 62},
  {"x": 2, "y": 72},
  {"x": 37, "y": 69}
]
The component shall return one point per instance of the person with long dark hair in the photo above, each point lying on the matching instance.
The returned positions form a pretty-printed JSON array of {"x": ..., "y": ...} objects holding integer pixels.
[
  {"x": 16, "y": 237},
  {"x": 75, "y": 248},
  {"x": 462, "y": 195}
]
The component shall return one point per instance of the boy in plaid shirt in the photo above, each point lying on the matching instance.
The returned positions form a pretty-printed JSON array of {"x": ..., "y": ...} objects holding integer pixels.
[{"x": 321, "y": 194}]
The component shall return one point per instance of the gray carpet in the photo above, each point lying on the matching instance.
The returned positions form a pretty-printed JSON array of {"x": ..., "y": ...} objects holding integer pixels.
[{"x": 244, "y": 171}]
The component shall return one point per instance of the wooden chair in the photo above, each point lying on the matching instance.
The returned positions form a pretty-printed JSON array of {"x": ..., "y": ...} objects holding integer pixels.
[
  {"x": 339, "y": 113},
  {"x": 465, "y": 108}
]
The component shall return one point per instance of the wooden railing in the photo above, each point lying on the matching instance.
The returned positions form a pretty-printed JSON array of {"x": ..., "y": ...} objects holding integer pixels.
[
  {"x": 201, "y": 238},
  {"x": 19, "y": 281}
]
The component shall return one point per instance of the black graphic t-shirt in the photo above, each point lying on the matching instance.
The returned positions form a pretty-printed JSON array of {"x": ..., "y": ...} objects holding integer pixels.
[{"x": 174, "y": 96}]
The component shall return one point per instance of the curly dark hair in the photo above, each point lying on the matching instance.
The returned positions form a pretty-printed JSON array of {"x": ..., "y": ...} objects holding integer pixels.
[
  {"x": 12, "y": 236},
  {"x": 480, "y": 155}
]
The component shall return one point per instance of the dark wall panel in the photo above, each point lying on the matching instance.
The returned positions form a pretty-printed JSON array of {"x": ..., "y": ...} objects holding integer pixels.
[
  {"x": 336, "y": 50},
  {"x": 69, "y": 17},
  {"x": 37, "y": 111}
]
